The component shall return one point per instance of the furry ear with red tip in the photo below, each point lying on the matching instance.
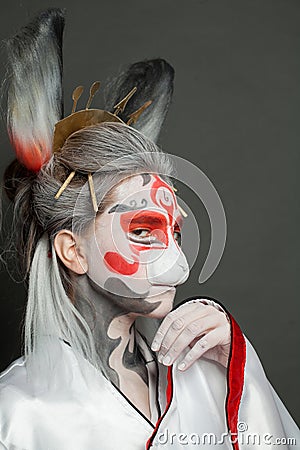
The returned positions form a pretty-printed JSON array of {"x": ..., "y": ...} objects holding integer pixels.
[
  {"x": 34, "y": 101},
  {"x": 154, "y": 81}
]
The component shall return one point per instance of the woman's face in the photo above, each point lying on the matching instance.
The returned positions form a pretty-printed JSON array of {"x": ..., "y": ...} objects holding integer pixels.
[{"x": 135, "y": 251}]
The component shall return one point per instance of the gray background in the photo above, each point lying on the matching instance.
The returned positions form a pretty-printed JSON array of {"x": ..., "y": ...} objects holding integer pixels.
[{"x": 236, "y": 115}]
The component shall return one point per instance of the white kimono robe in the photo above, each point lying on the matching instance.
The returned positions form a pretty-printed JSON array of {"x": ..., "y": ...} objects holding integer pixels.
[{"x": 204, "y": 407}]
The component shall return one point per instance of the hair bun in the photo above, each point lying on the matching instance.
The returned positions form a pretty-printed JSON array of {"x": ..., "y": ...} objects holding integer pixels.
[{"x": 14, "y": 177}]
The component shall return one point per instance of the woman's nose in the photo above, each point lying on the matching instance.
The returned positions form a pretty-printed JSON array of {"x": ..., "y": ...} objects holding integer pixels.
[{"x": 169, "y": 267}]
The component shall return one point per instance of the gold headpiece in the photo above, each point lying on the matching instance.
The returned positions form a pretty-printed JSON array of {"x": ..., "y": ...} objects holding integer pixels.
[
  {"x": 85, "y": 118},
  {"x": 88, "y": 117}
]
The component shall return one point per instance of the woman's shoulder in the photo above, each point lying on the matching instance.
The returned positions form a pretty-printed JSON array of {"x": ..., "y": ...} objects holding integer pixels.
[
  {"x": 13, "y": 376},
  {"x": 13, "y": 384},
  {"x": 14, "y": 391}
]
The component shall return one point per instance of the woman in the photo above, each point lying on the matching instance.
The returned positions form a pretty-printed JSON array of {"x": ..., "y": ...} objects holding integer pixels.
[{"x": 98, "y": 228}]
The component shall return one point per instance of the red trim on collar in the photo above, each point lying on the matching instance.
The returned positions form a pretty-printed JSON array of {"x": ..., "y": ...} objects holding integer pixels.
[
  {"x": 235, "y": 380},
  {"x": 235, "y": 384}
]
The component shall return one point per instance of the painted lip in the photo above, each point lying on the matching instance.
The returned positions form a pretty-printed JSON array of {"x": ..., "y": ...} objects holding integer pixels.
[{"x": 171, "y": 286}]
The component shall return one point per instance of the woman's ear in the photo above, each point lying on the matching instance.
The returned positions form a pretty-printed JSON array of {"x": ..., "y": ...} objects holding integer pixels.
[{"x": 70, "y": 252}]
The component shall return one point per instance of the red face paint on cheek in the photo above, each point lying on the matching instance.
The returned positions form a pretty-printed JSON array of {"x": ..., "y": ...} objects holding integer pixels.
[{"x": 116, "y": 263}]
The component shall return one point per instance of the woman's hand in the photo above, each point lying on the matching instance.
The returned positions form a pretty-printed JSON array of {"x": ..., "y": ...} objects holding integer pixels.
[{"x": 198, "y": 325}]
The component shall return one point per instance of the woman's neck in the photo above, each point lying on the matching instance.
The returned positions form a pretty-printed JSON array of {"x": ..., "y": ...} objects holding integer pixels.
[{"x": 113, "y": 329}]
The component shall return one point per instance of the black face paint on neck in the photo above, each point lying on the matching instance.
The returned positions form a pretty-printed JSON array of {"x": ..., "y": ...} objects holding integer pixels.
[{"x": 100, "y": 308}]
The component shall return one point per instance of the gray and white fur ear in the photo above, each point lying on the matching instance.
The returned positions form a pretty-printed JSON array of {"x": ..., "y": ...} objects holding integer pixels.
[
  {"x": 154, "y": 81},
  {"x": 35, "y": 98}
]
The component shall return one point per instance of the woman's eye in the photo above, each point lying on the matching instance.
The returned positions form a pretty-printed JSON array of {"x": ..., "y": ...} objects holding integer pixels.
[
  {"x": 143, "y": 236},
  {"x": 141, "y": 232}
]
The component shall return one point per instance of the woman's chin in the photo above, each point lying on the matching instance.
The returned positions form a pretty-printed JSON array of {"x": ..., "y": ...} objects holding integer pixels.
[
  {"x": 165, "y": 296},
  {"x": 161, "y": 290}
]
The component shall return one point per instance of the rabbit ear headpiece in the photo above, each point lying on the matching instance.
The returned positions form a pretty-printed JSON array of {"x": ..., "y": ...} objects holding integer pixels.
[
  {"x": 35, "y": 88},
  {"x": 35, "y": 95}
]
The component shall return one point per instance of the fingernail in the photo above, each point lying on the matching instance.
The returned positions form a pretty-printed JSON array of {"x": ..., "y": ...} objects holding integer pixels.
[
  {"x": 181, "y": 366},
  {"x": 155, "y": 346},
  {"x": 166, "y": 361},
  {"x": 160, "y": 358}
]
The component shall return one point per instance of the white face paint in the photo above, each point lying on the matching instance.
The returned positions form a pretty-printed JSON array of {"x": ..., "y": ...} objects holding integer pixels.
[{"x": 136, "y": 246}]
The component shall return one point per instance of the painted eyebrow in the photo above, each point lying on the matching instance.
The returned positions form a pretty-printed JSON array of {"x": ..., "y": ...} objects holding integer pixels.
[
  {"x": 147, "y": 218},
  {"x": 121, "y": 207}
]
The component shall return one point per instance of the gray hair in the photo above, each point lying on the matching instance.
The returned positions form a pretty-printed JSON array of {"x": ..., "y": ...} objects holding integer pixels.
[{"x": 34, "y": 105}]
